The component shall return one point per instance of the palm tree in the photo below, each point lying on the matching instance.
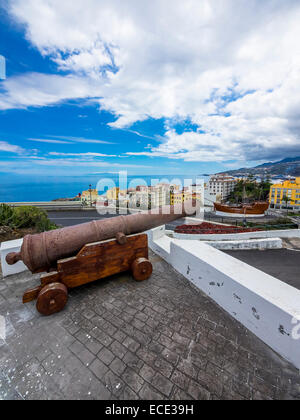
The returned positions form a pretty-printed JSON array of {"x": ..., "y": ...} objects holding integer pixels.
[{"x": 286, "y": 199}]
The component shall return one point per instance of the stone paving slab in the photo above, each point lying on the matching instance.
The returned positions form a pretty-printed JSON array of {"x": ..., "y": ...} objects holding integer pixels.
[{"x": 118, "y": 339}]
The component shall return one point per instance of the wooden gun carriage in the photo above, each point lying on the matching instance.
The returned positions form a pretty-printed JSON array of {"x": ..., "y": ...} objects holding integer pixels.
[
  {"x": 93, "y": 262},
  {"x": 82, "y": 254}
]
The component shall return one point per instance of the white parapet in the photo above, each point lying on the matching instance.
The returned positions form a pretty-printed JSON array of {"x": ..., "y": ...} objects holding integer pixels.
[
  {"x": 238, "y": 215},
  {"x": 6, "y": 248},
  {"x": 288, "y": 233},
  {"x": 265, "y": 305},
  {"x": 268, "y": 243}
]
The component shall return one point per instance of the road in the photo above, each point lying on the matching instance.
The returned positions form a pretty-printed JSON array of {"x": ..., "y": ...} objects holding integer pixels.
[
  {"x": 283, "y": 264},
  {"x": 71, "y": 218}
]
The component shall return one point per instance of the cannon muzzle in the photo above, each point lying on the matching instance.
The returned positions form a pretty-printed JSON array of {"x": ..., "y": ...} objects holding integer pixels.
[{"x": 40, "y": 252}]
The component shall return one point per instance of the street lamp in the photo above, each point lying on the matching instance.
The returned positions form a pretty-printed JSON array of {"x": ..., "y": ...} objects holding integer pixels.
[{"x": 90, "y": 191}]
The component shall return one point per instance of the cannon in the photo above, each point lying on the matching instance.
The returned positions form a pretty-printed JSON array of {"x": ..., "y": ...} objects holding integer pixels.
[{"x": 77, "y": 255}]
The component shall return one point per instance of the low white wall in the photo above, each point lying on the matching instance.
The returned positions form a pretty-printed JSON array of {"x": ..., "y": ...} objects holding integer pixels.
[
  {"x": 265, "y": 305},
  {"x": 237, "y": 215},
  {"x": 291, "y": 233},
  {"x": 6, "y": 248},
  {"x": 199, "y": 221},
  {"x": 270, "y": 243}
]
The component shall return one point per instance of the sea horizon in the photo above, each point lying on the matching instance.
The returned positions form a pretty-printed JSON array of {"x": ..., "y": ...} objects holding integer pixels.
[{"x": 31, "y": 188}]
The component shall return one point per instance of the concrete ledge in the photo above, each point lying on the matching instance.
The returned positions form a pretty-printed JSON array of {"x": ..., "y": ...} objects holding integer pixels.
[
  {"x": 289, "y": 233},
  {"x": 6, "y": 248},
  {"x": 271, "y": 243},
  {"x": 265, "y": 305},
  {"x": 238, "y": 215}
]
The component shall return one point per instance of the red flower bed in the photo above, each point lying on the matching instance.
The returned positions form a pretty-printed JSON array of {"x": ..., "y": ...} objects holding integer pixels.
[{"x": 211, "y": 228}]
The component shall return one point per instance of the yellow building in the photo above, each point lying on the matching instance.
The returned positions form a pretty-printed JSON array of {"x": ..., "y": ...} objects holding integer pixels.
[
  {"x": 289, "y": 189},
  {"x": 89, "y": 196},
  {"x": 113, "y": 194},
  {"x": 181, "y": 197},
  {"x": 176, "y": 198}
]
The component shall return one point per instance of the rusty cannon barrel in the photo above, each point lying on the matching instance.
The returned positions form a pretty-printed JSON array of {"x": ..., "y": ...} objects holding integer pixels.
[{"x": 40, "y": 252}]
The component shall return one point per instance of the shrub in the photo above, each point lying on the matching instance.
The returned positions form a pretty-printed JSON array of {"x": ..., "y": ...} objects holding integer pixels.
[
  {"x": 25, "y": 217},
  {"x": 6, "y": 215},
  {"x": 275, "y": 224},
  {"x": 280, "y": 221}
]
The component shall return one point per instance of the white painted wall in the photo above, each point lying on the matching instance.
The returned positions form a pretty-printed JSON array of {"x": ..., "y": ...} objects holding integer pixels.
[
  {"x": 6, "y": 248},
  {"x": 291, "y": 233},
  {"x": 262, "y": 303},
  {"x": 237, "y": 215},
  {"x": 270, "y": 243}
]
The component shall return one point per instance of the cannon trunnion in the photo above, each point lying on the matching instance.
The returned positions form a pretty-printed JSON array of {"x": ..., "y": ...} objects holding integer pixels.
[{"x": 93, "y": 262}]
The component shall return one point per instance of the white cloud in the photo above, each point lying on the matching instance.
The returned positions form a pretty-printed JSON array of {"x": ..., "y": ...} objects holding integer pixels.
[
  {"x": 63, "y": 167},
  {"x": 89, "y": 154},
  {"x": 75, "y": 162},
  {"x": 89, "y": 61},
  {"x": 35, "y": 89},
  {"x": 68, "y": 140},
  {"x": 82, "y": 140},
  {"x": 11, "y": 148},
  {"x": 178, "y": 60},
  {"x": 49, "y": 141}
]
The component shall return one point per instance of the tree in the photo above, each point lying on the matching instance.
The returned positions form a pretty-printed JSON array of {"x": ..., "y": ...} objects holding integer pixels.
[
  {"x": 251, "y": 178},
  {"x": 286, "y": 199},
  {"x": 250, "y": 190}
]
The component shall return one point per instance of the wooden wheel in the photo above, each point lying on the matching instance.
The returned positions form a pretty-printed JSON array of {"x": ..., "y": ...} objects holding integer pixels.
[
  {"x": 141, "y": 269},
  {"x": 52, "y": 299}
]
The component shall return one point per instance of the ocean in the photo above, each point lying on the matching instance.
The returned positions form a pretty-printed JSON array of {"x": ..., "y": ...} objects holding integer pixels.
[{"x": 33, "y": 188}]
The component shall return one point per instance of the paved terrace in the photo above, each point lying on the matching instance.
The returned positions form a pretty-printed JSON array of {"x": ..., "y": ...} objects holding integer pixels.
[{"x": 118, "y": 339}]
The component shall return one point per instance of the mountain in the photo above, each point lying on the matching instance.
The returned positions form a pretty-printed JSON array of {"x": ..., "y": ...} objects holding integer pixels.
[{"x": 288, "y": 166}]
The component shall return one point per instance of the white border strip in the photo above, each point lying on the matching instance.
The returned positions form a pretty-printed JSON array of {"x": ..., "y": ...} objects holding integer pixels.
[{"x": 290, "y": 233}]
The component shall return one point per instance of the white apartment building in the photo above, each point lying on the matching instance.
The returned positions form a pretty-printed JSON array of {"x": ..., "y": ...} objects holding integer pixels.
[
  {"x": 152, "y": 197},
  {"x": 123, "y": 199},
  {"x": 221, "y": 186},
  {"x": 210, "y": 198}
]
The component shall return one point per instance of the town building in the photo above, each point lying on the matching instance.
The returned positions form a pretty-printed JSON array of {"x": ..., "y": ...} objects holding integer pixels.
[
  {"x": 150, "y": 197},
  {"x": 113, "y": 194},
  {"x": 123, "y": 198},
  {"x": 221, "y": 185},
  {"x": 210, "y": 198},
  {"x": 286, "y": 194},
  {"x": 140, "y": 199},
  {"x": 177, "y": 198},
  {"x": 185, "y": 195},
  {"x": 161, "y": 194},
  {"x": 89, "y": 197}
]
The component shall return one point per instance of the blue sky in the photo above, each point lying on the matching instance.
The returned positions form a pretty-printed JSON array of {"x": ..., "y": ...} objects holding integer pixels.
[{"x": 104, "y": 86}]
